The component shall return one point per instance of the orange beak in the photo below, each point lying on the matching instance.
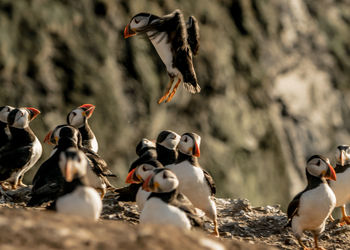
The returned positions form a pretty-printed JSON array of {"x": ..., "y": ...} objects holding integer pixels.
[
  {"x": 68, "y": 172},
  {"x": 342, "y": 161},
  {"x": 331, "y": 175},
  {"x": 145, "y": 185},
  {"x": 47, "y": 138},
  {"x": 197, "y": 152},
  {"x": 89, "y": 109},
  {"x": 34, "y": 112},
  {"x": 128, "y": 33},
  {"x": 132, "y": 178}
]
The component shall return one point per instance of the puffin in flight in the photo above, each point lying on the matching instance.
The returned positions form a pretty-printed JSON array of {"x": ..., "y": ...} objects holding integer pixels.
[
  {"x": 310, "y": 208},
  {"x": 23, "y": 149},
  {"x": 175, "y": 42}
]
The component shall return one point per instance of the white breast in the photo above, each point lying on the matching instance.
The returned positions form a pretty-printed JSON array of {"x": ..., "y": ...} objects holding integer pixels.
[
  {"x": 341, "y": 187},
  {"x": 314, "y": 208},
  {"x": 163, "y": 48},
  {"x": 94, "y": 144},
  {"x": 192, "y": 183},
  {"x": 141, "y": 198},
  {"x": 83, "y": 201},
  {"x": 156, "y": 211}
]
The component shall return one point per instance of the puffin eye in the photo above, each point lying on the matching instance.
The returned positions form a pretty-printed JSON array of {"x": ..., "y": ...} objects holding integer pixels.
[
  {"x": 318, "y": 163},
  {"x": 74, "y": 114},
  {"x": 137, "y": 21},
  {"x": 144, "y": 168},
  {"x": 185, "y": 140}
]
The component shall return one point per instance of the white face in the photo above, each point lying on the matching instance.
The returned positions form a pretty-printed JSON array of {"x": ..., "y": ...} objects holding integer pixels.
[
  {"x": 4, "y": 112},
  {"x": 139, "y": 22},
  {"x": 72, "y": 163},
  {"x": 342, "y": 155},
  {"x": 164, "y": 181},
  {"x": 76, "y": 118},
  {"x": 21, "y": 119},
  {"x": 143, "y": 171},
  {"x": 147, "y": 143},
  {"x": 171, "y": 141},
  {"x": 187, "y": 144},
  {"x": 317, "y": 167}
]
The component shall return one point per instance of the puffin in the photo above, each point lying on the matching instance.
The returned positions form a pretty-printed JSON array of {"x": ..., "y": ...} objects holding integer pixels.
[
  {"x": 146, "y": 151},
  {"x": 175, "y": 42},
  {"x": 195, "y": 182},
  {"x": 310, "y": 208},
  {"x": 79, "y": 118},
  {"x": 138, "y": 175},
  {"x": 23, "y": 149},
  {"x": 4, "y": 130},
  {"x": 48, "y": 182},
  {"x": 77, "y": 198},
  {"x": 98, "y": 170},
  {"x": 341, "y": 187},
  {"x": 165, "y": 204},
  {"x": 166, "y": 145}
]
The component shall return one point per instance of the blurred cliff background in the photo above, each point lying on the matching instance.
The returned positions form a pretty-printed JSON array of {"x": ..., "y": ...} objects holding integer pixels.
[{"x": 275, "y": 78}]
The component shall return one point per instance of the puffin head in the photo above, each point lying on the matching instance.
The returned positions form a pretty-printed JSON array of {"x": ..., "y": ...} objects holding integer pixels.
[
  {"x": 4, "y": 112},
  {"x": 161, "y": 181},
  {"x": 77, "y": 117},
  {"x": 141, "y": 172},
  {"x": 168, "y": 139},
  {"x": 189, "y": 144},
  {"x": 320, "y": 167},
  {"x": 62, "y": 132},
  {"x": 140, "y": 23},
  {"x": 21, "y": 117},
  {"x": 73, "y": 164},
  {"x": 342, "y": 155},
  {"x": 144, "y": 144}
]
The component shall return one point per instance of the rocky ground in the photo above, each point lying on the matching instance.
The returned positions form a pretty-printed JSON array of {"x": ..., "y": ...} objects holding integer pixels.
[{"x": 241, "y": 226}]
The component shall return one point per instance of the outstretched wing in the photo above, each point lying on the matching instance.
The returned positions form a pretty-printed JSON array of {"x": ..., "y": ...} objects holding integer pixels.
[{"x": 193, "y": 34}]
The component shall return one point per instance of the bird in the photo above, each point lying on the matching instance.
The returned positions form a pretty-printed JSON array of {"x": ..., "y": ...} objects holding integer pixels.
[
  {"x": 77, "y": 197},
  {"x": 78, "y": 118},
  {"x": 4, "y": 130},
  {"x": 166, "y": 144},
  {"x": 48, "y": 182},
  {"x": 98, "y": 170},
  {"x": 138, "y": 175},
  {"x": 310, "y": 208},
  {"x": 175, "y": 42},
  {"x": 165, "y": 205},
  {"x": 23, "y": 149},
  {"x": 146, "y": 151},
  {"x": 341, "y": 187},
  {"x": 195, "y": 182}
]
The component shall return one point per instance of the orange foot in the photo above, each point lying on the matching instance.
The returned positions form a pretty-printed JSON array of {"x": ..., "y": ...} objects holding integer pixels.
[{"x": 345, "y": 220}]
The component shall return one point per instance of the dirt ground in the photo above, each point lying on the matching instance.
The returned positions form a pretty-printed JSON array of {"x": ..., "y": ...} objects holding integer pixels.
[{"x": 241, "y": 226}]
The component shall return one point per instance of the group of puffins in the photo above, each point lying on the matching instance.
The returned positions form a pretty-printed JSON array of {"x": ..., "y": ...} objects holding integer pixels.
[{"x": 166, "y": 181}]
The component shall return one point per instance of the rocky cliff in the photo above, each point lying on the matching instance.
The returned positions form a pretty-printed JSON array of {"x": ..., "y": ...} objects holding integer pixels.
[{"x": 274, "y": 77}]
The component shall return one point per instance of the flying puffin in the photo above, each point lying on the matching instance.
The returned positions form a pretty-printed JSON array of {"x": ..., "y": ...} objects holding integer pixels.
[
  {"x": 175, "y": 42},
  {"x": 341, "y": 187},
  {"x": 165, "y": 205},
  {"x": 48, "y": 182},
  {"x": 146, "y": 150},
  {"x": 310, "y": 208},
  {"x": 195, "y": 182},
  {"x": 98, "y": 170},
  {"x": 79, "y": 118},
  {"x": 138, "y": 175},
  {"x": 77, "y": 197},
  {"x": 23, "y": 150},
  {"x": 4, "y": 132},
  {"x": 166, "y": 144}
]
